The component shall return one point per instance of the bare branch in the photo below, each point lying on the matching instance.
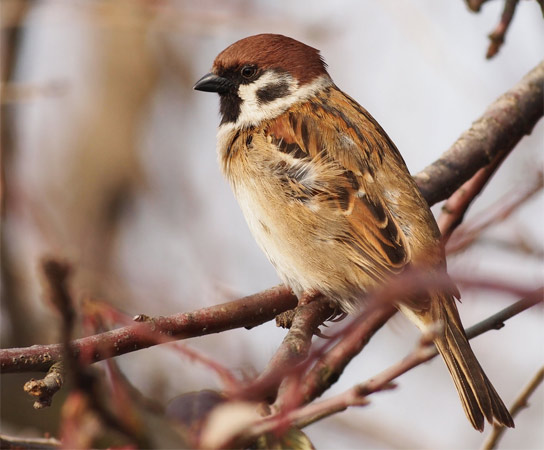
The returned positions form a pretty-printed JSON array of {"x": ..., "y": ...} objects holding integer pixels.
[
  {"x": 247, "y": 312},
  {"x": 520, "y": 403},
  {"x": 296, "y": 344},
  {"x": 357, "y": 395},
  {"x": 497, "y": 35},
  {"x": 475, "y": 5},
  {"x": 496, "y": 132},
  {"x": 496, "y": 321},
  {"x": 457, "y": 205},
  {"x": 329, "y": 368},
  {"x": 47, "y": 387},
  {"x": 466, "y": 234}
]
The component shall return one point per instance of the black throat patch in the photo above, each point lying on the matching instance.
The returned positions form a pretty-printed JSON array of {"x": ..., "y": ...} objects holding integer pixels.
[{"x": 229, "y": 107}]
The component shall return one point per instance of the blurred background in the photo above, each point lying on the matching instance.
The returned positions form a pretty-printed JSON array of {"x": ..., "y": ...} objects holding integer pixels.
[{"x": 109, "y": 161}]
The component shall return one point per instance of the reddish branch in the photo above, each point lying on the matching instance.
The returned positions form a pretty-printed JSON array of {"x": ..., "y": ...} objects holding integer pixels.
[
  {"x": 512, "y": 116},
  {"x": 246, "y": 312},
  {"x": 357, "y": 395},
  {"x": 466, "y": 234},
  {"x": 294, "y": 348},
  {"x": 296, "y": 343},
  {"x": 329, "y": 364},
  {"x": 329, "y": 368},
  {"x": 457, "y": 205},
  {"x": 497, "y": 36},
  {"x": 421, "y": 354}
]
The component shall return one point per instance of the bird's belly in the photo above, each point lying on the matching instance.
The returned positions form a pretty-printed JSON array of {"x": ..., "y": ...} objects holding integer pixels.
[{"x": 301, "y": 245}]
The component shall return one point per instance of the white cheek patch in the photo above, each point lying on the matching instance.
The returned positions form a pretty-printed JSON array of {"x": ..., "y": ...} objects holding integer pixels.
[{"x": 253, "y": 110}]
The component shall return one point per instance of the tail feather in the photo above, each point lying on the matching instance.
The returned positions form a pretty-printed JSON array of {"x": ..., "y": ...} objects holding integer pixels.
[{"x": 478, "y": 396}]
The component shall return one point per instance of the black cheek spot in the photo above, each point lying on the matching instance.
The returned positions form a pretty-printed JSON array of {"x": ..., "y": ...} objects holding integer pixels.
[{"x": 271, "y": 92}]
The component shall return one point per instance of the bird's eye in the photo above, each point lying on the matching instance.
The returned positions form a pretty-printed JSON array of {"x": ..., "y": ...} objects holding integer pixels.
[{"x": 248, "y": 71}]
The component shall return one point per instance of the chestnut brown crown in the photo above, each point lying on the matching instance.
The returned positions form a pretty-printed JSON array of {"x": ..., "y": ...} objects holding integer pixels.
[{"x": 273, "y": 51}]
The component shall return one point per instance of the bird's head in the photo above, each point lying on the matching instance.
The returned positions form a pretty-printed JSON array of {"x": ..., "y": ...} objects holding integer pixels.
[{"x": 259, "y": 77}]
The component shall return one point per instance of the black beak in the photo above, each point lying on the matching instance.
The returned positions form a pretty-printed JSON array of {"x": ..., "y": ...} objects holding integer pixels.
[{"x": 213, "y": 83}]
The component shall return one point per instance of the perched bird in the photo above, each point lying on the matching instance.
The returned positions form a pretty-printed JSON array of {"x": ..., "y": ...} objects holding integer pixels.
[{"x": 328, "y": 196}]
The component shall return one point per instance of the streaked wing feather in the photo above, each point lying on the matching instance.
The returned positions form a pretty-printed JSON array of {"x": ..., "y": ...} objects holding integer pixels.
[{"x": 347, "y": 186}]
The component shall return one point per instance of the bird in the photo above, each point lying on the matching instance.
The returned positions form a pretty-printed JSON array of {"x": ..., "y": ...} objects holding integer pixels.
[{"x": 329, "y": 199}]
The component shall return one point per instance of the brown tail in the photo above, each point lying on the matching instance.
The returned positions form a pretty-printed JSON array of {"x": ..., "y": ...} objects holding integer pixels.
[{"x": 478, "y": 396}]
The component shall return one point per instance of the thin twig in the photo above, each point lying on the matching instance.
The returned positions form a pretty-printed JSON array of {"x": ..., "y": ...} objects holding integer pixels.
[
  {"x": 520, "y": 403},
  {"x": 47, "y": 387},
  {"x": 467, "y": 233},
  {"x": 456, "y": 206},
  {"x": 498, "y": 34},
  {"x": 475, "y": 5},
  {"x": 85, "y": 383},
  {"x": 496, "y": 321}
]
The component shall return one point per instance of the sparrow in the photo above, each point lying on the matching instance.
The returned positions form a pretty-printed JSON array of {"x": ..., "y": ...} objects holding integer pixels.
[{"x": 329, "y": 198}]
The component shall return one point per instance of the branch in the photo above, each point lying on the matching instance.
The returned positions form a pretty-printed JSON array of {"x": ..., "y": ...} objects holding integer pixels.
[
  {"x": 475, "y": 5},
  {"x": 457, "y": 205},
  {"x": 466, "y": 234},
  {"x": 329, "y": 368},
  {"x": 420, "y": 355},
  {"x": 47, "y": 387},
  {"x": 357, "y": 395},
  {"x": 496, "y": 321},
  {"x": 246, "y": 312},
  {"x": 295, "y": 346},
  {"x": 497, "y": 35},
  {"x": 497, "y": 131},
  {"x": 520, "y": 403}
]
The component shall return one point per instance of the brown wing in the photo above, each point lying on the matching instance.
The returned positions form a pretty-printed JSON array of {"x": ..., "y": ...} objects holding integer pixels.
[{"x": 350, "y": 147}]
